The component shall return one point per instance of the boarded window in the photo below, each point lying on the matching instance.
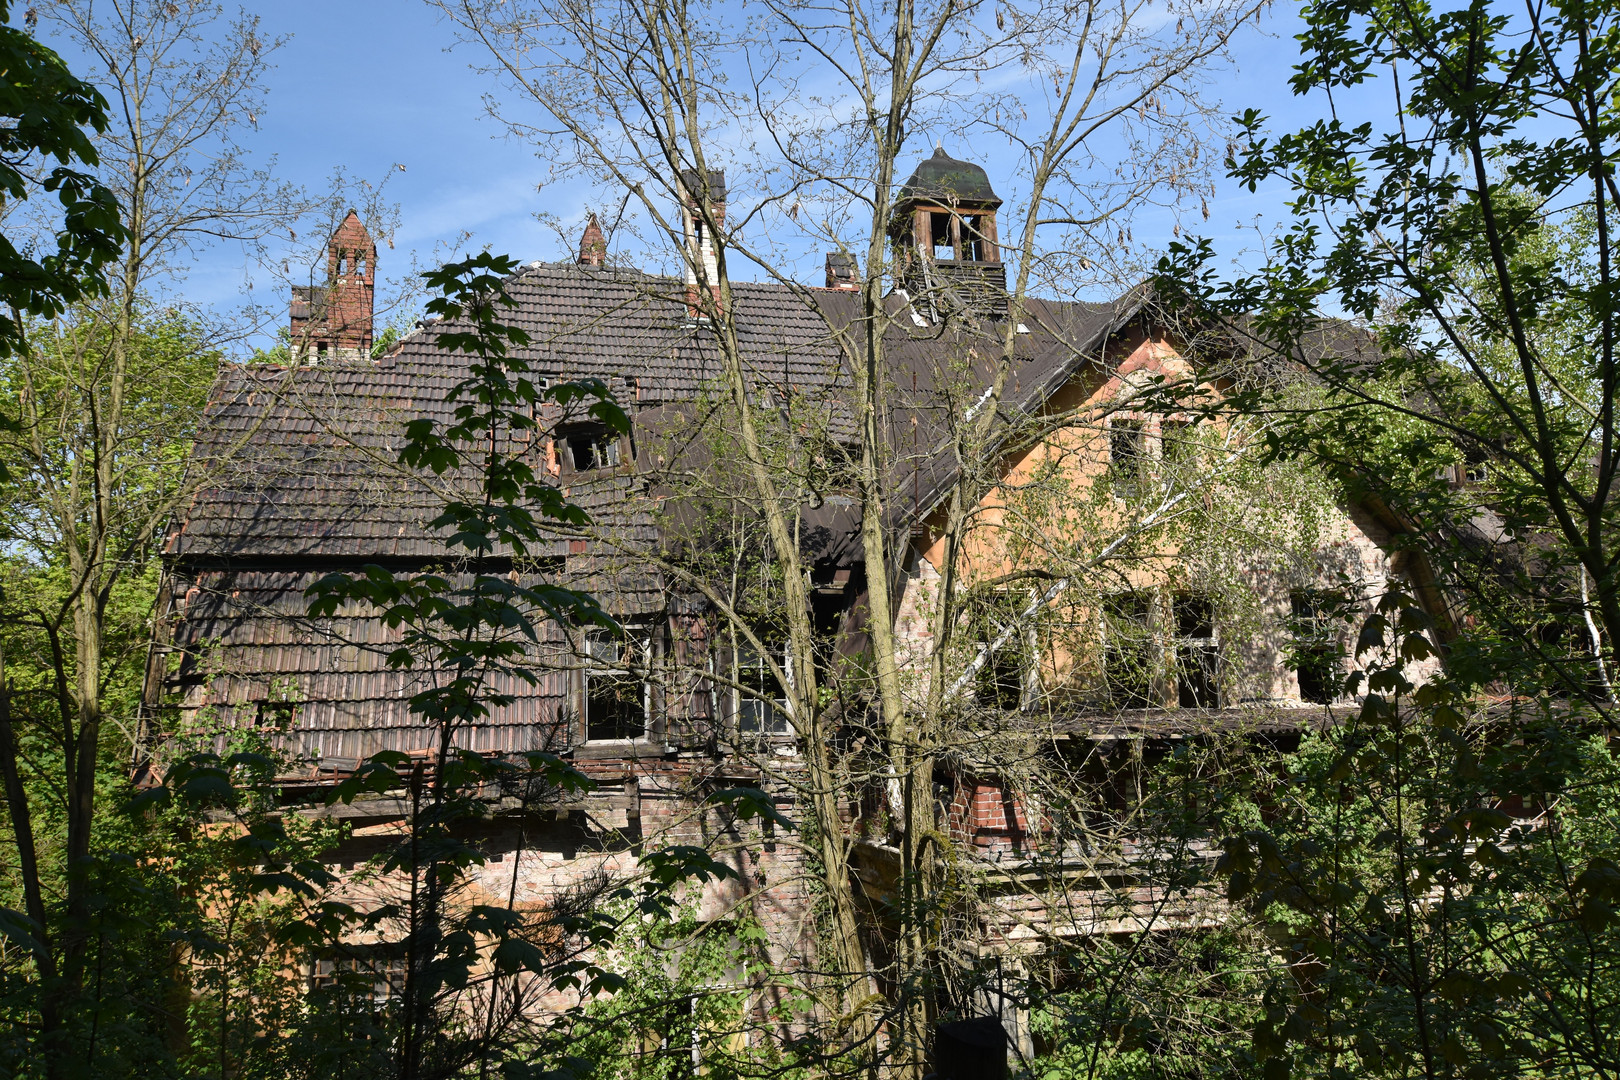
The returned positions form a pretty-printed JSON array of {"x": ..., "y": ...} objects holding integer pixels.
[{"x": 1198, "y": 653}]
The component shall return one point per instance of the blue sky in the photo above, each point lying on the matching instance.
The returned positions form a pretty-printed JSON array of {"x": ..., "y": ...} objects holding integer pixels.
[{"x": 369, "y": 85}]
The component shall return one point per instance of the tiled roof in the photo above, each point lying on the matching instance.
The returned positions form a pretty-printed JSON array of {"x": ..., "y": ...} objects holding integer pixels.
[{"x": 313, "y": 483}]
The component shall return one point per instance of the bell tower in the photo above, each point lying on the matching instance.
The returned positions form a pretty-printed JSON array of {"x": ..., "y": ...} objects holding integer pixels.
[
  {"x": 333, "y": 321},
  {"x": 947, "y": 256}
]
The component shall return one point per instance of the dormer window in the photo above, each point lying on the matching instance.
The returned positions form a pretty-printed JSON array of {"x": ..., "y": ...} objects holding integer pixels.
[{"x": 590, "y": 448}]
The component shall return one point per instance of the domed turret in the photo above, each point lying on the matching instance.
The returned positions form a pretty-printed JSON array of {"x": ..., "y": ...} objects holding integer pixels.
[
  {"x": 944, "y": 231},
  {"x": 943, "y": 178}
]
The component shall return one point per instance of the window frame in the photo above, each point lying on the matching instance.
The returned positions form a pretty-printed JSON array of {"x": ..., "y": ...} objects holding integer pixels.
[
  {"x": 649, "y": 640},
  {"x": 1311, "y": 634},
  {"x": 740, "y": 653},
  {"x": 385, "y": 962},
  {"x": 1149, "y": 651},
  {"x": 1196, "y": 648},
  {"x": 1001, "y": 614}
]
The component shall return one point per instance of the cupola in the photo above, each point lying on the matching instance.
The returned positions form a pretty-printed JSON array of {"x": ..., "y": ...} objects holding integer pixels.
[{"x": 947, "y": 256}]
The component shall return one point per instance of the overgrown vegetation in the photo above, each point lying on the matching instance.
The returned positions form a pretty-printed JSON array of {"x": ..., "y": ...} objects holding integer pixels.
[{"x": 1420, "y": 876}]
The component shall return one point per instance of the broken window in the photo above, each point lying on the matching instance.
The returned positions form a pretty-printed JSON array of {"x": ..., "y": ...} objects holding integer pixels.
[
  {"x": 617, "y": 697},
  {"x": 1130, "y": 655},
  {"x": 1127, "y": 456},
  {"x": 591, "y": 448},
  {"x": 275, "y": 715},
  {"x": 761, "y": 704},
  {"x": 1314, "y": 652},
  {"x": 1198, "y": 653},
  {"x": 1002, "y": 680},
  {"x": 374, "y": 971}
]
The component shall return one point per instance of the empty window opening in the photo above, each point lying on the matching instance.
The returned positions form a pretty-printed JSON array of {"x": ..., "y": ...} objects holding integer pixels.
[
  {"x": 592, "y": 448},
  {"x": 939, "y": 235},
  {"x": 1476, "y": 468},
  {"x": 1198, "y": 653},
  {"x": 1002, "y": 681},
  {"x": 1314, "y": 653},
  {"x": 1127, "y": 456},
  {"x": 975, "y": 247},
  {"x": 761, "y": 702},
  {"x": 617, "y": 696},
  {"x": 1130, "y": 654},
  {"x": 276, "y": 715}
]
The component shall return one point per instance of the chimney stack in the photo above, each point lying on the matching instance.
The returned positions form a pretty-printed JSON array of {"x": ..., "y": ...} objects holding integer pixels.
[
  {"x": 699, "y": 243},
  {"x": 593, "y": 245},
  {"x": 842, "y": 272}
]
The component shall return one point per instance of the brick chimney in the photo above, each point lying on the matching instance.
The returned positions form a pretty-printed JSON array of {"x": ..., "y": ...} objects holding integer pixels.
[
  {"x": 699, "y": 244},
  {"x": 333, "y": 321},
  {"x": 843, "y": 273},
  {"x": 592, "y": 245}
]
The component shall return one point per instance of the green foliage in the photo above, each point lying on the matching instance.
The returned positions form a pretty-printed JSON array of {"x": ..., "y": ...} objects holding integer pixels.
[
  {"x": 1468, "y": 239},
  {"x": 43, "y": 145},
  {"x": 1177, "y": 1004},
  {"x": 1439, "y": 879},
  {"x": 698, "y": 998},
  {"x": 1437, "y": 870}
]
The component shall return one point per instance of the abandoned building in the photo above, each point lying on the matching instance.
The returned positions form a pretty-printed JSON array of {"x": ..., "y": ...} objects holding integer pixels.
[{"x": 317, "y": 488}]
